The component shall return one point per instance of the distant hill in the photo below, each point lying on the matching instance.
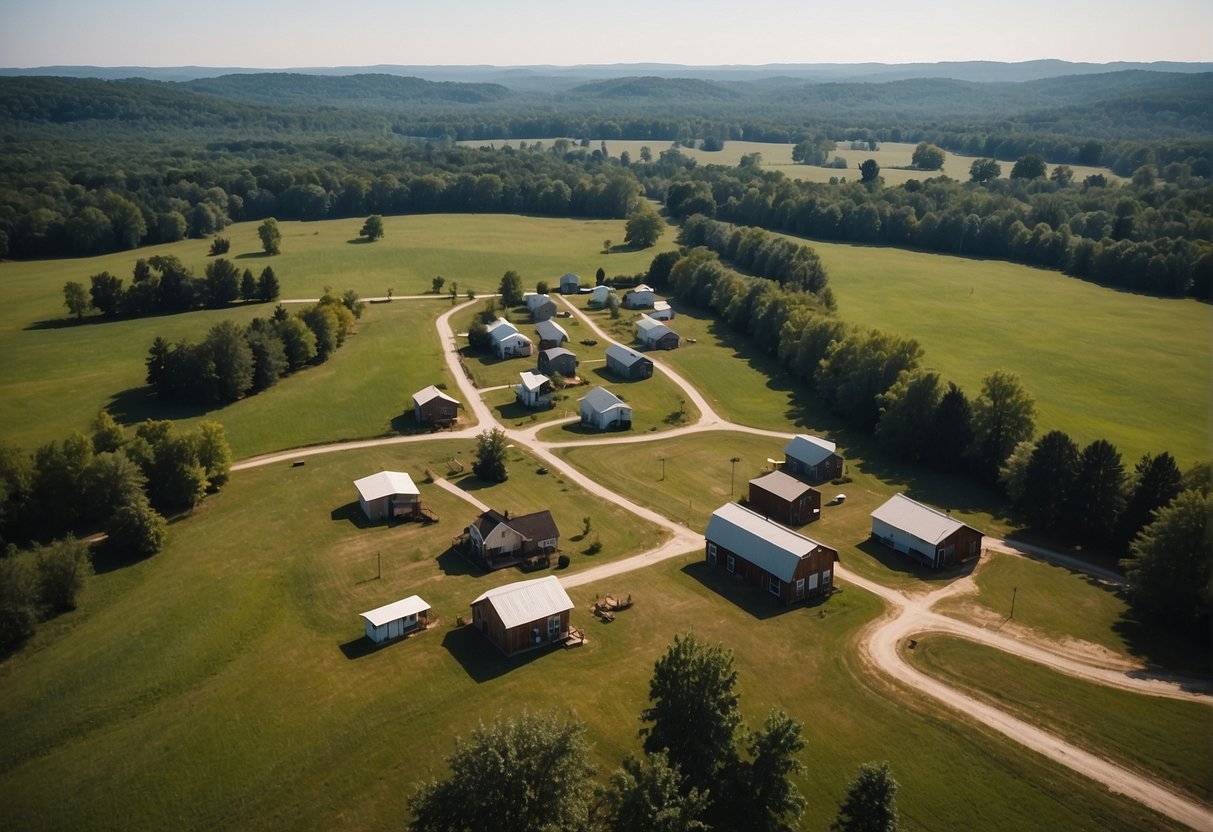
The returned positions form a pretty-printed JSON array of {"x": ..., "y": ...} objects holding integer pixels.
[
  {"x": 288, "y": 88},
  {"x": 652, "y": 87}
]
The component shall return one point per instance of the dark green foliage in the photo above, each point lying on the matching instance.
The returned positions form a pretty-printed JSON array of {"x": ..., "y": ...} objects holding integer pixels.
[
  {"x": 271, "y": 235},
  {"x": 1156, "y": 482},
  {"x": 1170, "y": 578},
  {"x": 861, "y": 367},
  {"x": 106, "y": 293},
  {"x": 1098, "y": 495},
  {"x": 220, "y": 245},
  {"x": 760, "y": 252},
  {"x": 62, "y": 568},
  {"x": 267, "y": 285},
  {"x": 269, "y": 355},
  {"x": 76, "y": 298},
  {"x": 927, "y": 157},
  {"x": 372, "y": 229},
  {"x": 491, "y": 456},
  {"x": 510, "y": 289},
  {"x": 529, "y": 774},
  {"x": 869, "y": 171},
  {"x": 1003, "y": 416},
  {"x": 136, "y": 529},
  {"x": 1031, "y": 166},
  {"x": 659, "y": 269},
  {"x": 646, "y": 795},
  {"x": 1049, "y": 481},
  {"x": 768, "y": 800},
  {"x": 248, "y": 286},
  {"x": 478, "y": 336},
  {"x": 984, "y": 170},
  {"x": 869, "y": 805},
  {"x": 644, "y": 227},
  {"x": 349, "y": 299},
  {"x": 111, "y": 481},
  {"x": 693, "y": 711},
  {"x": 325, "y": 326},
  {"x": 951, "y": 431},
  {"x": 907, "y": 412},
  {"x": 18, "y": 600}
]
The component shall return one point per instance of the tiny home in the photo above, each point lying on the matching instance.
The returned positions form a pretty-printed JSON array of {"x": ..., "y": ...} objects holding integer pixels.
[
  {"x": 540, "y": 306},
  {"x": 513, "y": 345},
  {"x": 570, "y": 284},
  {"x": 396, "y": 619},
  {"x": 388, "y": 494},
  {"x": 763, "y": 553},
  {"x": 600, "y": 295},
  {"x": 523, "y": 615},
  {"x": 812, "y": 458},
  {"x": 628, "y": 364},
  {"x": 925, "y": 534},
  {"x": 654, "y": 335},
  {"x": 602, "y": 409},
  {"x": 551, "y": 334},
  {"x": 662, "y": 311},
  {"x": 642, "y": 297},
  {"x": 558, "y": 360},
  {"x": 500, "y": 328},
  {"x": 433, "y": 406},
  {"x": 534, "y": 390},
  {"x": 785, "y": 499}
]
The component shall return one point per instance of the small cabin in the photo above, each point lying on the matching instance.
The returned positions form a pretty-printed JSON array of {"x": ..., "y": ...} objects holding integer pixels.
[
  {"x": 432, "y": 406},
  {"x": 930, "y": 536},
  {"x": 387, "y": 495},
  {"x": 523, "y": 615},
  {"x": 785, "y": 499},
  {"x": 628, "y": 364},
  {"x": 602, "y": 409},
  {"x": 397, "y": 619},
  {"x": 812, "y": 458},
  {"x": 534, "y": 390}
]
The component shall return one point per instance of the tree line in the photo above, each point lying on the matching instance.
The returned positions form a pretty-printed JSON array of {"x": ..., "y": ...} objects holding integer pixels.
[
  {"x": 234, "y": 361},
  {"x": 163, "y": 284},
  {"x": 701, "y": 768},
  {"x": 876, "y": 382},
  {"x": 108, "y": 481}
]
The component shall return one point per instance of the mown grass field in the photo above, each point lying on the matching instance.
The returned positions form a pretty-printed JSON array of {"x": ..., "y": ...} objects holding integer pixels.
[
  {"x": 224, "y": 682},
  {"x": 893, "y": 158},
  {"x": 1161, "y": 738}
]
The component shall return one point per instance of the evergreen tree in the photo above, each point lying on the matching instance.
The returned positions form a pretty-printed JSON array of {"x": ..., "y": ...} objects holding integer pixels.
[
  {"x": 248, "y": 286},
  {"x": 1098, "y": 495},
  {"x": 267, "y": 285},
  {"x": 869, "y": 805},
  {"x": 951, "y": 431},
  {"x": 1156, "y": 482},
  {"x": 1048, "y": 481}
]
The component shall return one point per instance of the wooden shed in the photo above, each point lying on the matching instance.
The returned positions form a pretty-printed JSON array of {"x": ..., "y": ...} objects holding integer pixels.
[
  {"x": 785, "y": 499},
  {"x": 396, "y": 619},
  {"x": 930, "y": 536},
  {"x": 765, "y": 554},
  {"x": 432, "y": 406},
  {"x": 812, "y": 458},
  {"x": 523, "y": 615}
]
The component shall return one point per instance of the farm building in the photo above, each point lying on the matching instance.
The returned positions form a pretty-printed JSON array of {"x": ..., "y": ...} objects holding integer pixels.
[
  {"x": 654, "y": 335},
  {"x": 551, "y": 334},
  {"x": 812, "y": 458},
  {"x": 558, "y": 360},
  {"x": 662, "y": 311},
  {"x": 495, "y": 540},
  {"x": 785, "y": 499},
  {"x": 641, "y": 297},
  {"x": 923, "y": 533},
  {"x": 500, "y": 328},
  {"x": 433, "y": 406},
  {"x": 396, "y": 619},
  {"x": 627, "y": 363},
  {"x": 602, "y": 409},
  {"x": 534, "y": 390},
  {"x": 600, "y": 295},
  {"x": 514, "y": 345},
  {"x": 540, "y": 306},
  {"x": 523, "y": 615},
  {"x": 763, "y": 553},
  {"x": 388, "y": 494},
  {"x": 570, "y": 284}
]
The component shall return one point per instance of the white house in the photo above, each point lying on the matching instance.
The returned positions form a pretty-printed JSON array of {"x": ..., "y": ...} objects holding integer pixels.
[
  {"x": 641, "y": 297},
  {"x": 570, "y": 284},
  {"x": 662, "y": 311},
  {"x": 654, "y": 335},
  {"x": 540, "y": 306},
  {"x": 924, "y": 533},
  {"x": 551, "y": 334},
  {"x": 388, "y": 494},
  {"x": 395, "y": 619},
  {"x": 507, "y": 340},
  {"x": 534, "y": 390},
  {"x": 600, "y": 295},
  {"x": 602, "y": 409},
  {"x": 500, "y": 328}
]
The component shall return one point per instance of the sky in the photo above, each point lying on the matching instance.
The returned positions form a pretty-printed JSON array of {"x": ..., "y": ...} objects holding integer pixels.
[{"x": 302, "y": 33}]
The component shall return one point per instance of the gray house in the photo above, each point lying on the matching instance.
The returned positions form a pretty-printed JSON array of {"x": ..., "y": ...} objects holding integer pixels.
[
  {"x": 627, "y": 363},
  {"x": 570, "y": 284},
  {"x": 558, "y": 360}
]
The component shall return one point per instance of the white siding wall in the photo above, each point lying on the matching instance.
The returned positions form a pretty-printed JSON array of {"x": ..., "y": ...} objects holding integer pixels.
[{"x": 900, "y": 540}]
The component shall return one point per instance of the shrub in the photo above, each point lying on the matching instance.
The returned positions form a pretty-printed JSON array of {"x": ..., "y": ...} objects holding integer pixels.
[{"x": 562, "y": 562}]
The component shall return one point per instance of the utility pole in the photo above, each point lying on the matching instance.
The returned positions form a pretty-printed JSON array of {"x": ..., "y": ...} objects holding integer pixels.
[
  {"x": 1014, "y": 592},
  {"x": 378, "y": 566},
  {"x": 663, "y": 467},
  {"x": 732, "y": 472}
]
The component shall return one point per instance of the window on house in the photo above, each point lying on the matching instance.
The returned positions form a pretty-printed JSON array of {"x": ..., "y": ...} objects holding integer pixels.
[
  {"x": 731, "y": 564},
  {"x": 775, "y": 585},
  {"x": 712, "y": 553},
  {"x": 825, "y": 577}
]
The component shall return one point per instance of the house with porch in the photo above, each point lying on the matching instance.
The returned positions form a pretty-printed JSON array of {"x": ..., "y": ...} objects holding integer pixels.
[
  {"x": 927, "y": 535},
  {"x": 523, "y": 615},
  {"x": 763, "y": 553},
  {"x": 494, "y": 540},
  {"x": 812, "y": 458}
]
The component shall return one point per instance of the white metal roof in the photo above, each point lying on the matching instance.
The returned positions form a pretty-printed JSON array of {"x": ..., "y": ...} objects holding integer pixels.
[
  {"x": 549, "y": 330},
  {"x": 763, "y": 542},
  {"x": 809, "y": 449},
  {"x": 534, "y": 299},
  {"x": 431, "y": 392},
  {"x": 642, "y": 288},
  {"x": 499, "y": 328},
  {"x": 652, "y": 328},
  {"x": 527, "y": 601},
  {"x": 513, "y": 338},
  {"x": 385, "y": 483},
  {"x": 602, "y": 400},
  {"x": 395, "y": 610},
  {"x": 923, "y": 522},
  {"x": 533, "y": 381}
]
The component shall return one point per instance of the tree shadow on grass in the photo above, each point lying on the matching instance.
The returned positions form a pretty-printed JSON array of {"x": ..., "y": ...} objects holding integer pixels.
[
  {"x": 254, "y": 255},
  {"x": 406, "y": 425},
  {"x": 752, "y": 599},
  {"x": 107, "y": 558},
  {"x": 480, "y": 659},
  {"x": 1166, "y": 654},
  {"x": 137, "y": 404}
]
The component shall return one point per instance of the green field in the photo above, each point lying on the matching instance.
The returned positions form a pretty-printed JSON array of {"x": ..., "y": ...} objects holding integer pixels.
[
  {"x": 247, "y": 622},
  {"x": 893, "y": 158},
  {"x": 1161, "y": 738}
]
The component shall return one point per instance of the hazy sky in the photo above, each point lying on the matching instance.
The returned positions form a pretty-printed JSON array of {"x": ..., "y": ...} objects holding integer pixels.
[{"x": 276, "y": 33}]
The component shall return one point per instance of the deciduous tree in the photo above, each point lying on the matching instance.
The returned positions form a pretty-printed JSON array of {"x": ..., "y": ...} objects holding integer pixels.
[
  {"x": 372, "y": 229},
  {"x": 106, "y": 293},
  {"x": 646, "y": 795},
  {"x": 644, "y": 227},
  {"x": 491, "y": 456},
  {"x": 927, "y": 157},
  {"x": 1098, "y": 495},
  {"x": 76, "y": 299},
  {"x": 1048, "y": 481},
  {"x": 984, "y": 170},
  {"x": 869, "y": 171},
  {"x": 62, "y": 568},
  {"x": 1031, "y": 166},
  {"x": 271, "y": 236},
  {"x": 907, "y": 411},
  {"x": 1003, "y": 416},
  {"x": 1169, "y": 566},
  {"x": 869, "y": 804},
  {"x": 1156, "y": 482},
  {"x": 510, "y": 289}
]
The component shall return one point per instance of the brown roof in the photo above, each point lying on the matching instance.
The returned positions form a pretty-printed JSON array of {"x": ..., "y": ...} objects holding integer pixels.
[
  {"x": 537, "y": 526},
  {"x": 488, "y": 521},
  {"x": 782, "y": 485}
]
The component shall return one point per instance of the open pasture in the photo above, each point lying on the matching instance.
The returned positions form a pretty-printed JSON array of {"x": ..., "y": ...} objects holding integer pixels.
[{"x": 248, "y": 622}]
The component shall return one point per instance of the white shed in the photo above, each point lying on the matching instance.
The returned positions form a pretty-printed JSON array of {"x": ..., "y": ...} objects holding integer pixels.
[
  {"x": 602, "y": 409},
  {"x": 600, "y": 295},
  {"x": 387, "y": 494},
  {"x": 395, "y": 619}
]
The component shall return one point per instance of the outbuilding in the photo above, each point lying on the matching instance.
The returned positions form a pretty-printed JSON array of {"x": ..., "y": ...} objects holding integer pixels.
[
  {"x": 785, "y": 499},
  {"x": 654, "y": 335},
  {"x": 495, "y": 540},
  {"x": 558, "y": 360},
  {"x": 534, "y": 390},
  {"x": 570, "y": 284},
  {"x": 627, "y": 363},
  {"x": 812, "y": 458},
  {"x": 540, "y": 306},
  {"x": 641, "y": 297},
  {"x": 662, "y": 311},
  {"x": 928, "y": 535},
  {"x": 513, "y": 345},
  {"x": 764, "y": 553},
  {"x": 600, "y": 295},
  {"x": 602, "y": 409},
  {"x": 551, "y": 334},
  {"x": 432, "y": 406},
  {"x": 524, "y": 615},
  {"x": 388, "y": 494},
  {"x": 396, "y": 619}
]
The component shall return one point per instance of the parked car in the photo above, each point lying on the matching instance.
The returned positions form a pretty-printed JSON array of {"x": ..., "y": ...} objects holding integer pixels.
[{"x": 838, "y": 499}]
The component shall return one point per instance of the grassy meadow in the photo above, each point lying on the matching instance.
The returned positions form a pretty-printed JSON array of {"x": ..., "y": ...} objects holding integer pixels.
[
  {"x": 247, "y": 622},
  {"x": 1161, "y": 738}
]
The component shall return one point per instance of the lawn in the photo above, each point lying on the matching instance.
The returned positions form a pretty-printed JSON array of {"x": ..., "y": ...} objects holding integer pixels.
[
  {"x": 695, "y": 480},
  {"x": 1161, "y": 738},
  {"x": 1060, "y": 604},
  {"x": 247, "y": 622}
]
